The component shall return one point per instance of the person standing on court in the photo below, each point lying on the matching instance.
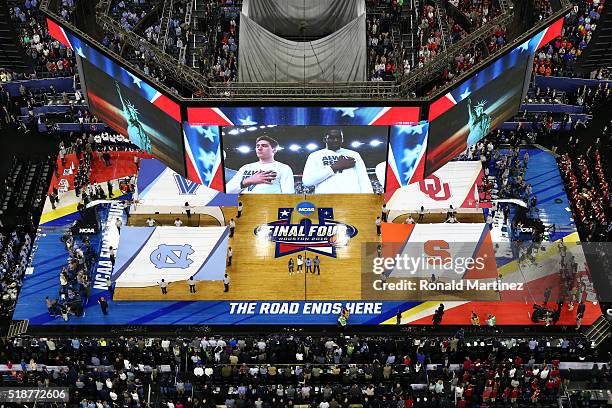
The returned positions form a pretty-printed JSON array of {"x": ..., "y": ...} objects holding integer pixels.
[
  {"x": 187, "y": 208},
  {"x": 378, "y": 222},
  {"x": 109, "y": 187},
  {"x": 421, "y": 214},
  {"x": 300, "y": 262},
  {"x": 103, "y": 305},
  {"x": 309, "y": 265},
  {"x": 239, "y": 209},
  {"x": 111, "y": 255},
  {"x": 118, "y": 224},
  {"x": 385, "y": 213},
  {"x": 164, "y": 286},
  {"x": 317, "y": 268},
  {"x": 192, "y": 285},
  {"x": 178, "y": 222},
  {"x": 290, "y": 266},
  {"x": 232, "y": 227},
  {"x": 109, "y": 286},
  {"x": 226, "y": 282},
  {"x": 335, "y": 169},
  {"x": 229, "y": 256}
]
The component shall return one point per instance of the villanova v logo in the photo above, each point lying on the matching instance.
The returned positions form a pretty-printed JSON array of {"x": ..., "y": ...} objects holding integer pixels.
[
  {"x": 185, "y": 187},
  {"x": 172, "y": 256}
]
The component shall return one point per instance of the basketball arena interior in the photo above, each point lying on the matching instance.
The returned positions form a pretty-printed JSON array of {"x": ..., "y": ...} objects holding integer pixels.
[{"x": 288, "y": 203}]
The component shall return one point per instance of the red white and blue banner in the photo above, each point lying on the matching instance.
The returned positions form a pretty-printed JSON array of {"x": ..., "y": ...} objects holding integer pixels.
[{"x": 160, "y": 186}]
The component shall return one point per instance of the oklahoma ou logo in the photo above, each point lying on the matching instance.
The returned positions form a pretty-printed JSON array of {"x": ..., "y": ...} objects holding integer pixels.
[{"x": 433, "y": 188}]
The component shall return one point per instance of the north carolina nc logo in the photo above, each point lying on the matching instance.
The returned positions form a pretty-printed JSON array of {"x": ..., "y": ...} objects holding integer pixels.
[
  {"x": 172, "y": 256},
  {"x": 322, "y": 237},
  {"x": 432, "y": 187}
]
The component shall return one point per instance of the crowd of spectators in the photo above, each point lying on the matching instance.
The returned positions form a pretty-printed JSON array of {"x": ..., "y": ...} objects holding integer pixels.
[
  {"x": 588, "y": 189},
  {"x": 381, "y": 53},
  {"x": 130, "y": 12},
  {"x": 558, "y": 58},
  {"x": 478, "y": 12},
  {"x": 542, "y": 9},
  {"x": 14, "y": 258},
  {"x": 75, "y": 278},
  {"x": 456, "y": 30},
  {"x": 281, "y": 370},
  {"x": 429, "y": 34},
  {"x": 179, "y": 30},
  {"x": 224, "y": 62},
  {"x": 51, "y": 58},
  {"x": 498, "y": 39}
]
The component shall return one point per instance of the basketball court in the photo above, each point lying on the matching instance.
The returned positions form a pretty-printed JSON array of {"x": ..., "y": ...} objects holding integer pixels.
[{"x": 339, "y": 229}]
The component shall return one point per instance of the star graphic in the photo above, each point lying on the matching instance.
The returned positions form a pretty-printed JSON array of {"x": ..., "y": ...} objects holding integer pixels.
[
  {"x": 208, "y": 162},
  {"x": 465, "y": 93},
  {"x": 207, "y": 132},
  {"x": 418, "y": 129},
  {"x": 408, "y": 174},
  {"x": 135, "y": 79},
  {"x": 79, "y": 50},
  {"x": 247, "y": 121},
  {"x": 284, "y": 213},
  {"x": 524, "y": 46},
  {"x": 350, "y": 112}
]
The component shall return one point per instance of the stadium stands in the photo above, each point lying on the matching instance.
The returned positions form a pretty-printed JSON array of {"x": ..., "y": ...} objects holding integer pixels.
[
  {"x": 51, "y": 58},
  {"x": 483, "y": 367},
  {"x": 323, "y": 371}
]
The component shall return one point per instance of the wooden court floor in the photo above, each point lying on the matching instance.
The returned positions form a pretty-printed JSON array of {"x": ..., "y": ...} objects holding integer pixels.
[{"x": 255, "y": 272}]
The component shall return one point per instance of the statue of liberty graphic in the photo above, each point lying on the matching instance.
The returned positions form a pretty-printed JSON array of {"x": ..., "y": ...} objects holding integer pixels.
[
  {"x": 135, "y": 130},
  {"x": 479, "y": 122}
]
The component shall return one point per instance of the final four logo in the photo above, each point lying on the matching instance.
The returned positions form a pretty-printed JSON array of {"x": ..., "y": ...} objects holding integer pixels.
[{"x": 323, "y": 237}]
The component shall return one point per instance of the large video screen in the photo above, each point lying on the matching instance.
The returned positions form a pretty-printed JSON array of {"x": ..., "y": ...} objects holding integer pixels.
[
  {"x": 478, "y": 105},
  {"x": 305, "y": 159},
  {"x": 485, "y": 101},
  {"x": 124, "y": 109}
]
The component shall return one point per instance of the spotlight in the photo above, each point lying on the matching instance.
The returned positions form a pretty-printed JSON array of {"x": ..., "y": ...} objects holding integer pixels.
[
  {"x": 356, "y": 144},
  {"x": 233, "y": 132},
  {"x": 312, "y": 146},
  {"x": 375, "y": 143},
  {"x": 241, "y": 130},
  {"x": 243, "y": 149},
  {"x": 252, "y": 128},
  {"x": 279, "y": 148},
  {"x": 294, "y": 148}
]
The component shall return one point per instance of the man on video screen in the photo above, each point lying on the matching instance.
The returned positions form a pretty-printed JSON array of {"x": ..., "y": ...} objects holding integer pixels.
[
  {"x": 335, "y": 169},
  {"x": 266, "y": 176}
]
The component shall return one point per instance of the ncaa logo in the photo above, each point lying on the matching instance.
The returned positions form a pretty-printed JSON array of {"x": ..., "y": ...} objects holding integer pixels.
[{"x": 305, "y": 208}]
